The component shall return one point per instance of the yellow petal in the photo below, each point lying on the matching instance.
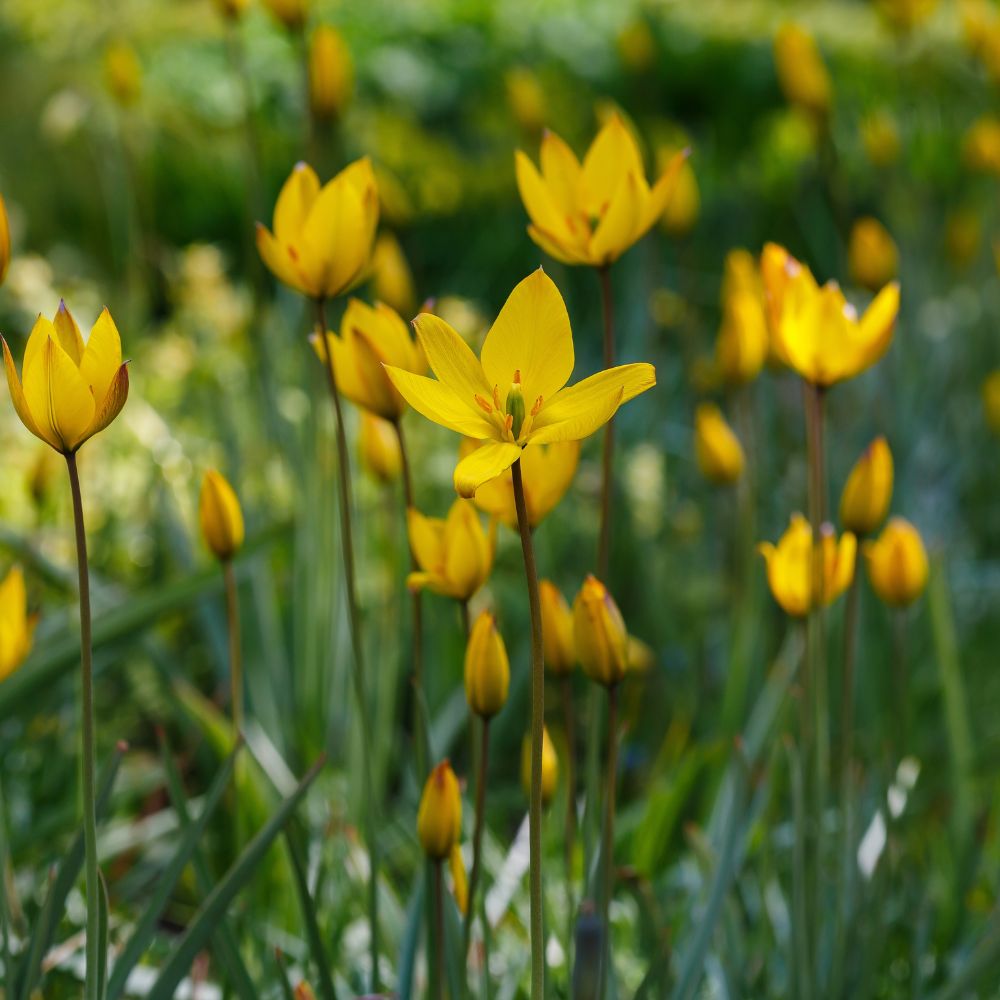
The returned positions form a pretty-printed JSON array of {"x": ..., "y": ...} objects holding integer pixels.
[
  {"x": 620, "y": 226},
  {"x": 426, "y": 539},
  {"x": 335, "y": 243},
  {"x": 562, "y": 174},
  {"x": 279, "y": 260},
  {"x": 60, "y": 401},
  {"x": 531, "y": 335},
  {"x": 577, "y": 411},
  {"x": 538, "y": 200},
  {"x": 452, "y": 361},
  {"x": 68, "y": 333},
  {"x": 612, "y": 155},
  {"x": 102, "y": 357},
  {"x": 41, "y": 333},
  {"x": 548, "y": 472},
  {"x": 438, "y": 402},
  {"x": 294, "y": 202},
  {"x": 484, "y": 464},
  {"x": 345, "y": 367},
  {"x": 663, "y": 189},
  {"x": 20, "y": 403},
  {"x": 113, "y": 402},
  {"x": 879, "y": 320},
  {"x": 385, "y": 399},
  {"x": 565, "y": 253}
]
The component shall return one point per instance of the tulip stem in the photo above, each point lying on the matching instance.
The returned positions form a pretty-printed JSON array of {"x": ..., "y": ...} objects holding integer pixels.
[
  {"x": 847, "y": 679},
  {"x": 537, "y": 723},
  {"x": 899, "y": 674},
  {"x": 608, "y": 447},
  {"x": 87, "y": 730},
  {"x": 417, "y": 679},
  {"x": 358, "y": 673},
  {"x": 235, "y": 650},
  {"x": 437, "y": 966},
  {"x": 477, "y": 848},
  {"x": 609, "y": 835},
  {"x": 566, "y": 690}
]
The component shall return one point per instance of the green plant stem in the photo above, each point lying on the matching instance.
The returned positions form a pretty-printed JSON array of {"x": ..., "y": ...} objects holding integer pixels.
[
  {"x": 358, "y": 672},
  {"x": 608, "y": 837},
  {"x": 416, "y": 600},
  {"x": 900, "y": 679},
  {"x": 437, "y": 975},
  {"x": 477, "y": 847},
  {"x": 87, "y": 734},
  {"x": 537, "y": 723},
  {"x": 569, "y": 723},
  {"x": 608, "y": 446},
  {"x": 235, "y": 649}
]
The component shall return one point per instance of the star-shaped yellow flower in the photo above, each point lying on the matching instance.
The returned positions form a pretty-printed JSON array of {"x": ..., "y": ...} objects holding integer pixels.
[{"x": 515, "y": 395}]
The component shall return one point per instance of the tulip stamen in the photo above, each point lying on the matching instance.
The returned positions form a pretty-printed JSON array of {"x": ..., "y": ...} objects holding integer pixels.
[{"x": 484, "y": 404}]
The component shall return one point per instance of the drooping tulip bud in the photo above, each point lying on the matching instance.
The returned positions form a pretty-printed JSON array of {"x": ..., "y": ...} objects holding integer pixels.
[
  {"x": 716, "y": 447},
  {"x": 487, "y": 669},
  {"x": 557, "y": 629},
  {"x": 439, "y": 818},
  {"x": 4, "y": 240},
  {"x": 872, "y": 257},
  {"x": 331, "y": 73},
  {"x": 459, "y": 879},
  {"x": 599, "y": 634},
  {"x": 379, "y": 445},
  {"x": 868, "y": 490},
  {"x": 122, "y": 73},
  {"x": 897, "y": 563},
  {"x": 550, "y": 767},
  {"x": 220, "y": 515}
]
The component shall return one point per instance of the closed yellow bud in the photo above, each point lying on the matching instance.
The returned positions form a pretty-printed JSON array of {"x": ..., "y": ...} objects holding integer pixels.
[
  {"x": 331, "y": 73},
  {"x": 880, "y": 137},
  {"x": 459, "y": 879},
  {"x": 291, "y": 13},
  {"x": 16, "y": 625},
  {"x": 487, "y": 669},
  {"x": 599, "y": 634},
  {"x": 981, "y": 146},
  {"x": 455, "y": 554},
  {"x": 68, "y": 390},
  {"x": 872, "y": 257},
  {"x": 557, "y": 629},
  {"x": 122, "y": 73},
  {"x": 379, "y": 444},
  {"x": 392, "y": 280},
  {"x": 742, "y": 344},
  {"x": 526, "y": 99},
  {"x": 304, "y": 992},
  {"x": 868, "y": 490},
  {"x": 716, "y": 447},
  {"x": 439, "y": 818},
  {"x": 550, "y": 767},
  {"x": 897, "y": 563},
  {"x": 220, "y": 516},
  {"x": 802, "y": 74},
  {"x": 684, "y": 205},
  {"x": 4, "y": 240},
  {"x": 991, "y": 400}
]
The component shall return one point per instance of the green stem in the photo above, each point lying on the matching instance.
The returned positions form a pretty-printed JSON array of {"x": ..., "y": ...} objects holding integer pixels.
[
  {"x": 537, "y": 722},
  {"x": 477, "y": 846},
  {"x": 438, "y": 977},
  {"x": 358, "y": 672},
  {"x": 899, "y": 673},
  {"x": 608, "y": 447},
  {"x": 235, "y": 649},
  {"x": 608, "y": 836},
  {"x": 569, "y": 723},
  {"x": 87, "y": 731}
]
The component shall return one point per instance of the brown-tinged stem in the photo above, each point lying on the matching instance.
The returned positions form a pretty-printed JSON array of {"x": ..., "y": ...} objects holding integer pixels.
[
  {"x": 609, "y": 834},
  {"x": 477, "y": 846},
  {"x": 358, "y": 672},
  {"x": 608, "y": 447},
  {"x": 87, "y": 733},
  {"x": 537, "y": 723},
  {"x": 437, "y": 972},
  {"x": 569, "y": 724}
]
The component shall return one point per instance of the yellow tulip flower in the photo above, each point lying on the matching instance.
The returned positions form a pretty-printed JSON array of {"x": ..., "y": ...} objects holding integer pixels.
[
  {"x": 379, "y": 445},
  {"x": 991, "y": 400},
  {"x": 370, "y": 339},
  {"x": 742, "y": 344},
  {"x": 16, "y": 625},
  {"x": 557, "y": 629},
  {"x": 814, "y": 330},
  {"x": 392, "y": 280},
  {"x": 331, "y": 73},
  {"x": 322, "y": 239},
  {"x": 880, "y": 137},
  {"x": 550, "y": 767},
  {"x": 291, "y": 13},
  {"x": 487, "y": 669},
  {"x": 439, "y": 818},
  {"x": 547, "y": 471},
  {"x": 515, "y": 395},
  {"x": 868, "y": 489},
  {"x": 455, "y": 555},
  {"x": 684, "y": 205},
  {"x": 599, "y": 634},
  {"x": 68, "y": 390},
  {"x": 897, "y": 563},
  {"x": 790, "y": 566},
  {"x": 122, "y": 73},
  {"x": 4, "y": 240},
  {"x": 459, "y": 879},
  {"x": 872, "y": 257},
  {"x": 716, "y": 448},
  {"x": 802, "y": 74},
  {"x": 220, "y": 515},
  {"x": 591, "y": 213}
]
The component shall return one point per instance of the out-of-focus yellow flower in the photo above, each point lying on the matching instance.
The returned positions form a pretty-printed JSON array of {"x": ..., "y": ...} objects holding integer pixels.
[
  {"x": 220, "y": 515},
  {"x": 232, "y": 8},
  {"x": 868, "y": 490},
  {"x": 716, "y": 448},
  {"x": 525, "y": 98},
  {"x": 304, "y": 991},
  {"x": 897, "y": 563},
  {"x": 791, "y": 566},
  {"x": 559, "y": 644},
  {"x": 880, "y": 137},
  {"x": 681, "y": 210},
  {"x": 599, "y": 634},
  {"x": 455, "y": 555},
  {"x": 636, "y": 45},
  {"x": 68, "y": 390},
  {"x": 331, "y": 73},
  {"x": 991, "y": 400},
  {"x": 742, "y": 344},
  {"x": 487, "y": 669},
  {"x": 439, "y": 818},
  {"x": 963, "y": 234},
  {"x": 371, "y": 338},
  {"x": 392, "y": 279},
  {"x": 322, "y": 239},
  {"x": 547, "y": 472},
  {"x": 459, "y": 879},
  {"x": 981, "y": 145},
  {"x": 801, "y": 71},
  {"x": 591, "y": 213},
  {"x": 872, "y": 257},
  {"x": 16, "y": 625},
  {"x": 379, "y": 445},
  {"x": 4, "y": 240},
  {"x": 815, "y": 331},
  {"x": 514, "y": 396},
  {"x": 291, "y": 13},
  {"x": 550, "y": 767},
  {"x": 904, "y": 15},
  {"x": 122, "y": 73}
]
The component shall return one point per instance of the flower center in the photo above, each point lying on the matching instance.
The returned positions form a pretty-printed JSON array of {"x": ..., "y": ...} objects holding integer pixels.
[{"x": 514, "y": 407}]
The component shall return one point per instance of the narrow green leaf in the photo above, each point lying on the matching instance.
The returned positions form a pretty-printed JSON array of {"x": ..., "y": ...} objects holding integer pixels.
[
  {"x": 981, "y": 968},
  {"x": 411, "y": 933}
]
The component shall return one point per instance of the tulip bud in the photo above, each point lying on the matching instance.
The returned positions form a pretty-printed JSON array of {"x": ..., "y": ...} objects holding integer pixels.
[
  {"x": 991, "y": 400},
  {"x": 716, "y": 447},
  {"x": 331, "y": 73},
  {"x": 801, "y": 72},
  {"x": 868, "y": 490},
  {"x": 487, "y": 669},
  {"x": 304, "y": 992},
  {"x": 379, "y": 445},
  {"x": 221, "y": 517},
  {"x": 550, "y": 767},
  {"x": 557, "y": 629},
  {"x": 391, "y": 276},
  {"x": 599, "y": 634},
  {"x": 872, "y": 257},
  {"x": 122, "y": 73},
  {"x": 439, "y": 818},
  {"x": 4, "y": 240},
  {"x": 897, "y": 563},
  {"x": 17, "y": 627},
  {"x": 459, "y": 880}
]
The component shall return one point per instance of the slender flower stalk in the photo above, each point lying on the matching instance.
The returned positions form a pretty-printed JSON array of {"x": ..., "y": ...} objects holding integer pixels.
[
  {"x": 608, "y": 446},
  {"x": 235, "y": 649},
  {"x": 569, "y": 723},
  {"x": 477, "y": 846},
  {"x": 437, "y": 990},
  {"x": 609, "y": 832}
]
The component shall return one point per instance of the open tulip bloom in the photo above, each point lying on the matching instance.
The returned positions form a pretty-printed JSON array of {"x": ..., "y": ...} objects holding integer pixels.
[{"x": 515, "y": 395}]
